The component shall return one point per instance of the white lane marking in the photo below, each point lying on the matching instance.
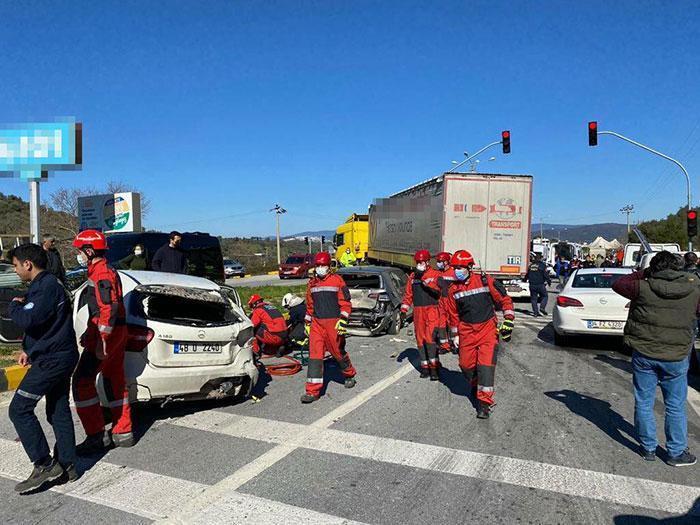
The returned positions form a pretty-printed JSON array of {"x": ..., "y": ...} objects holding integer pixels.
[
  {"x": 611, "y": 488},
  {"x": 215, "y": 495},
  {"x": 154, "y": 496}
]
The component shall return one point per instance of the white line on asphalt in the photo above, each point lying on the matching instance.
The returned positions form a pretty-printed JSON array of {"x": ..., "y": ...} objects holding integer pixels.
[
  {"x": 154, "y": 496},
  {"x": 215, "y": 495},
  {"x": 611, "y": 488}
]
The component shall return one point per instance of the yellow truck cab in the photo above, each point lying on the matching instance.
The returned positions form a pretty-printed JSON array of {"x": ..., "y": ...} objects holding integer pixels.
[{"x": 353, "y": 234}]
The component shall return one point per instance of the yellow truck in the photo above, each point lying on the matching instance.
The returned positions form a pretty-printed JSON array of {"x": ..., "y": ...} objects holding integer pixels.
[{"x": 353, "y": 234}]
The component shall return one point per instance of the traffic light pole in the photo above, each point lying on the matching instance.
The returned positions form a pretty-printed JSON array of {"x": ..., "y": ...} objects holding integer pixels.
[
  {"x": 651, "y": 150},
  {"x": 470, "y": 157}
]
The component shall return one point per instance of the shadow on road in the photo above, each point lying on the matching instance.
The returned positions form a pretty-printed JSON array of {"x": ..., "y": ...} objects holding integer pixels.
[
  {"x": 621, "y": 364},
  {"x": 412, "y": 355},
  {"x": 634, "y": 519},
  {"x": 599, "y": 413},
  {"x": 583, "y": 342}
]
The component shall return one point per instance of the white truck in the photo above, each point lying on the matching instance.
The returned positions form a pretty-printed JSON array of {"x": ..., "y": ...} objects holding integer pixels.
[{"x": 487, "y": 214}]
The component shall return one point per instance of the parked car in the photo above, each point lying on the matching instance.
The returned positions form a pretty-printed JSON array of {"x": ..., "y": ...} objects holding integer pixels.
[
  {"x": 587, "y": 305},
  {"x": 188, "y": 337},
  {"x": 296, "y": 266},
  {"x": 233, "y": 268},
  {"x": 375, "y": 293}
]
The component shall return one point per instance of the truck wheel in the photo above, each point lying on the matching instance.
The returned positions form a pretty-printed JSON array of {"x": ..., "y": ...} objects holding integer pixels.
[
  {"x": 395, "y": 324},
  {"x": 561, "y": 340}
]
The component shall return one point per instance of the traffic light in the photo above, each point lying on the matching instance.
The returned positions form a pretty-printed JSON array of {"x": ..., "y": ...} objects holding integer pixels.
[
  {"x": 692, "y": 223},
  {"x": 306, "y": 241},
  {"x": 593, "y": 133},
  {"x": 505, "y": 140},
  {"x": 323, "y": 239}
]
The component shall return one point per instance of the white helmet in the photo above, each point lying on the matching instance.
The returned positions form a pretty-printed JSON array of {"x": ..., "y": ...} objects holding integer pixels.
[{"x": 289, "y": 300}]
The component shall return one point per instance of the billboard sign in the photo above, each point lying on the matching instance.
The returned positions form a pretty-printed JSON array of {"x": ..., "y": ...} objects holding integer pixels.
[{"x": 110, "y": 213}]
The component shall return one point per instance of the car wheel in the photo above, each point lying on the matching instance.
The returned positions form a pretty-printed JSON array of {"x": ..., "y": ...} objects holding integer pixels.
[
  {"x": 242, "y": 275},
  {"x": 395, "y": 324},
  {"x": 561, "y": 339}
]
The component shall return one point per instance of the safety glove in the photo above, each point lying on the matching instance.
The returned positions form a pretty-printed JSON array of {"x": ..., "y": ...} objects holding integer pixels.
[
  {"x": 307, "y": 329},
  {"x": 341, "y": 326},
  {"x": 506, "y": 329}
]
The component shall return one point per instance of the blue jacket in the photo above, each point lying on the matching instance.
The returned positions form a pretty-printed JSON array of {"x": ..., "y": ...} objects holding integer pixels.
[{"x": 46, "y": 318}]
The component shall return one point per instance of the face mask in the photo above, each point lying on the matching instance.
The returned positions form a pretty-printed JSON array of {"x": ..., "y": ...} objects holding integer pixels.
[
  {"x": 441, "y": 265},
  {"x": 138, "y": 252},
  {"x": 461, "y": 274},
  {"x": 322, "y": 271},
  {"x": 421, "y": 267},
  {"x": 82, "y": 260}
]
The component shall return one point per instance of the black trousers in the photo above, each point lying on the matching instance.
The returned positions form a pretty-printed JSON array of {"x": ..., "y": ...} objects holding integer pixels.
[
  {"x": 49, "y": 376},
  {"x": 538, "y": 297}
]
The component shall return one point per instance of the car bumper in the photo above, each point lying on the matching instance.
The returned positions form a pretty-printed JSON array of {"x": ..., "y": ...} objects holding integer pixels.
[
  {"x": 518, "y": 289},
  {"x": 569, "y": 324},
  {"x": 234, "y": 274},
  {"x": 368, "y": 322}
]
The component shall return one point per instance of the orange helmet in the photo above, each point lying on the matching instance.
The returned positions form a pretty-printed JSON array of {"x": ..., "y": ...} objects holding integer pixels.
[
  {"x": 322, "y": 259},
  {"x": 462, "y": 258},
  {"x": 255, "y": 298},
  {"x": 422, "y": 256},
  {"x": 443, "y": 257},
  {"x": 92, "y": 238}
]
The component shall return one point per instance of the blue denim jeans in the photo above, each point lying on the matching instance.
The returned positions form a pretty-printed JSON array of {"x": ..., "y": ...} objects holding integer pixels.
[{"x": 672, "y": 376}]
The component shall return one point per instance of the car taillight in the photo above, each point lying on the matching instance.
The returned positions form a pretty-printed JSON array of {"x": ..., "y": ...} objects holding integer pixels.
[
  {"x": 564, "y": 301},
  {"x": 138, "y": 338}
]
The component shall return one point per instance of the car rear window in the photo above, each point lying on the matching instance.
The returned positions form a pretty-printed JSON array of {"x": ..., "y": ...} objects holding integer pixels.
[
  {"x": 361, "y": 281},
  {"x": 294, "y": 260},
  {"x": 595, "y": 280}
]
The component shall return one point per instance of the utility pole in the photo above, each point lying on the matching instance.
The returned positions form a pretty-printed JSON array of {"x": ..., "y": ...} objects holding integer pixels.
[
  {"x": 279, "y": 210},
  {"x": 629, "y": 208}
]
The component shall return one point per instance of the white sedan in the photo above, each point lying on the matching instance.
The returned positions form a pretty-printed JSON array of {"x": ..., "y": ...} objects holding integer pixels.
[
  {"x": 188, "y": 338},
  {"x": 587, "y": 305}
]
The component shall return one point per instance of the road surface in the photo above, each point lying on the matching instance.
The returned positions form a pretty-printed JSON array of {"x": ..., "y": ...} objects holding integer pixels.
[{"x": 559, "y": 448}]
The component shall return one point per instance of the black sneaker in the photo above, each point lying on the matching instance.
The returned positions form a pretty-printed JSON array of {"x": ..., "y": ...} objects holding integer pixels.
[
  {"x": 543, "y": 311},
  {"x": 684, "y": 460},
  {"x": 71, "y": 473},
  {"x": 308, "y": 398},
  {"x": 124, "y": 440},
  {"x": 434, "y": 375},
  {"x": 94, "y": 444},
  {"x": 424, "y": 373},
  {"x": 350, "y": 382},
  {"x": 648, "y": 455},
  {"x": 484, "y": 411},
  {"x": 40, "y": 475}
]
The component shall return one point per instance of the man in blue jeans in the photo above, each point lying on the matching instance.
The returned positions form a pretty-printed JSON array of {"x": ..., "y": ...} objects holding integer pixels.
[{"x": 659, "y": 330}]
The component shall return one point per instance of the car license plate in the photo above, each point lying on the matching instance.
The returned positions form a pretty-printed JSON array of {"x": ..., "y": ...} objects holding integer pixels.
[
  {"x": 196, "y": 348},
  {"x": 606, "y": 324}
]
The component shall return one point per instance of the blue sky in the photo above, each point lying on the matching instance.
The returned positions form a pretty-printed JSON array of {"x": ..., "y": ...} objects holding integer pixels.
[{"x": 218, "y": 110}]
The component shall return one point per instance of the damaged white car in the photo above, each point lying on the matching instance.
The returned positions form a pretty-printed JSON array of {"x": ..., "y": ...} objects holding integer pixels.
[{"x": 188, "y": 338}]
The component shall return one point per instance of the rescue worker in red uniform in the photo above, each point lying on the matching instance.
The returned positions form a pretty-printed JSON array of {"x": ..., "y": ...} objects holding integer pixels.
[
  {"x": 423, "y": 292},
  {"x": 446, "y": 278},
  {"x": 327, "y": 311},
  {"x": 269, "y": 325},
  {"x": 104, "y": 343},
  {"x": 471, "y": 309}
]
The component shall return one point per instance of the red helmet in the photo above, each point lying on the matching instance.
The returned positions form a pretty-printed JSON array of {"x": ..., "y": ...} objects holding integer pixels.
[
  {"x": 443, "y": 257},
  {"x": 255, "y": 298},
  {"x": 422, "y": 256},
  {"x": 462, "y": 258},
  {"x": 322, "y": 259},
  {"x": 92, "y": 238}
]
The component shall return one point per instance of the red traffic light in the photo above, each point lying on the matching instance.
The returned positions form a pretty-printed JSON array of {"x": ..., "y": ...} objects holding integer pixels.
[
  {"x": 593, "y": 125},
  {"x": 505, "y": 140},
  {"x": 505, "y": 134},
  {"x": 692, "y": 214},
  {"x": 593, "y": 133}
]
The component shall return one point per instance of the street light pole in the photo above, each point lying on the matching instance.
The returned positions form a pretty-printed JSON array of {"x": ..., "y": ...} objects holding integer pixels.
[
  {"x": 279, "y": 210},
  {"x": 627, "y": 210},
  {"x": 470, "y": 157},
  {"x": 651, "y": 150}
]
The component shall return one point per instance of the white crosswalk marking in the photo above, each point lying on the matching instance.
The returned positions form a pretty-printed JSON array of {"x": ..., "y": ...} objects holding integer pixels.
[
  {"x": 611, "y": 488},
  {"x": 155, "y": 496}
]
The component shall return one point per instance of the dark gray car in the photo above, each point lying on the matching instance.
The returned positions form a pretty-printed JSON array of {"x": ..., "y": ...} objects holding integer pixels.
[{"x": 376, "y": 293}]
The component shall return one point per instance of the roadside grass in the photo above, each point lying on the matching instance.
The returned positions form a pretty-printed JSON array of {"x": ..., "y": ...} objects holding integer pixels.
[
  {"x": 8, "y": 355},
  {"x": 271, "y": 294}
]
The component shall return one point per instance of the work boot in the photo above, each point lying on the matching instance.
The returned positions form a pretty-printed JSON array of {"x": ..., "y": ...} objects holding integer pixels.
[
  {"x": 543, "y": 311},
  {"x": 484, "y": 410},
  {"x": 434, "y": 375},
  {"x": 71, "y": 473},
  {"x": 41, "y": 474},
  {"x": 123, "y": 440},
  {"x": 308, "y": 398},
  {"x": 350, "y": 382},
  {"x": 424, "y": 373},
  {"x": 683, "y": 460},
  {"x": 94, "y": 444},
  {"x": 648, "y": 455}
]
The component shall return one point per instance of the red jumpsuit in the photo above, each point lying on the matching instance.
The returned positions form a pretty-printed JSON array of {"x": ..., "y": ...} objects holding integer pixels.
[
  {"x": 106, "y": 333},
  {"x": 424, "y": 293},
  {"x": 327, "y": 300},
  {"x": 270, "y": 328},
  {"x": 447, "y": 277},
  {"x": 471, "y": 310}
]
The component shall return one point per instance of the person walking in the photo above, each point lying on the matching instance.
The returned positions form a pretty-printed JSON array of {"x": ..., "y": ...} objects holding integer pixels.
[
  {"x": 539, "y": 280},
  {"x": 55, "y": 264},
  {"x": 49, "y": 345},
  {"x": 327, "y": 311},
  {"x": 659, "y": 330},
  {"x": 136, "y": 260},
  {"x": 446, "y": 277},
  {"x": 105, "y": 343},
  {"x": 473, "y": 301},
  {"x": 170, "y": 257}
]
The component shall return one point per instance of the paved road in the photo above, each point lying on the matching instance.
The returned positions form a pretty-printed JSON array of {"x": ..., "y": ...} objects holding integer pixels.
[
  {"x": 264, "y": 280},
  {"x": 559, "y": 448}
]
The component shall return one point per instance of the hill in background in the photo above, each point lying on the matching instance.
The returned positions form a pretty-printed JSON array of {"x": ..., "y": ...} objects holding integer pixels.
[{"x": 582, "y": 232}]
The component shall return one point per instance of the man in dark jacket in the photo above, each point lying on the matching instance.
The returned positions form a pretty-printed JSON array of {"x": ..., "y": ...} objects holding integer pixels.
[
  {"x": 55, "y": 264},
  {"x": 170, "y": 257},
  {"x": 539, "y": 280},
  {"x": 690, "y": 261},
  {"x": 659, "y": 330},
  {"x": 50, "y": 346}
]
